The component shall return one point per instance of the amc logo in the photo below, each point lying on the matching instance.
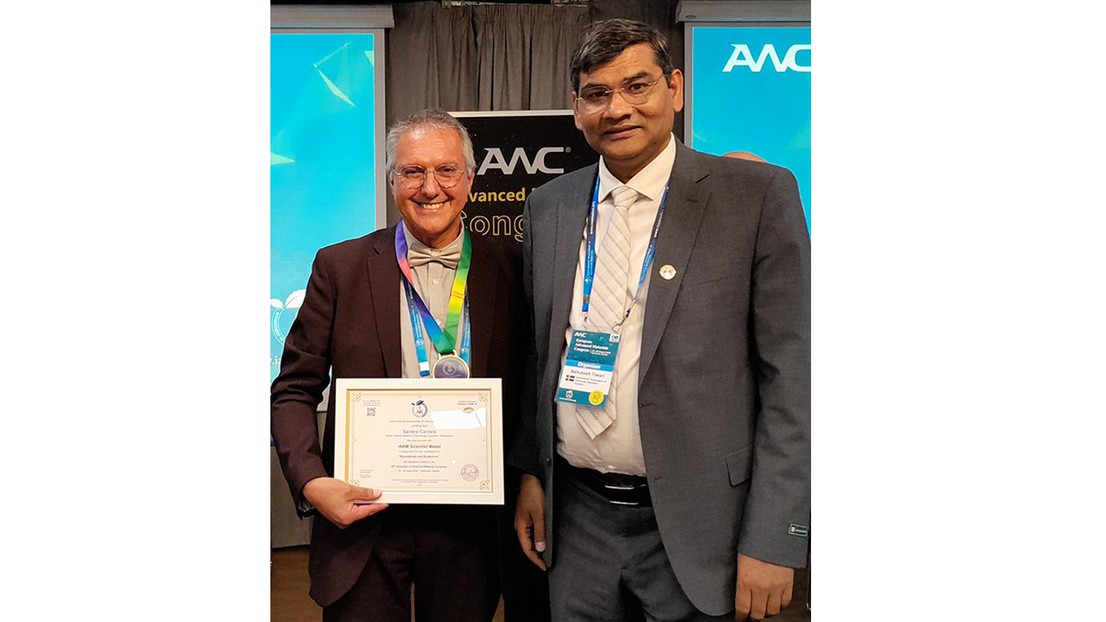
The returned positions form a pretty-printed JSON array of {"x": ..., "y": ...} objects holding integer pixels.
[
  {"x": 494, "y": 159},
  {"x": 742, "y": 56}
]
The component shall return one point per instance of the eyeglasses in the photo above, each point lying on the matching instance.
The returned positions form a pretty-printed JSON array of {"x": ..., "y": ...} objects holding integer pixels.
[
  {"x": 597, "y": 99},
  {"x": 413, "y": 177}
]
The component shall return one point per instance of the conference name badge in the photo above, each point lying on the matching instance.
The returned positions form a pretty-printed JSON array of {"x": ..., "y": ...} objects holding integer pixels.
[{"x": 589, "y": 368}]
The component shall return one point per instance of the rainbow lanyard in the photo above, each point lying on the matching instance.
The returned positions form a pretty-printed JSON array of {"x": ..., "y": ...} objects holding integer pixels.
[{"x": 444, "y": 341}]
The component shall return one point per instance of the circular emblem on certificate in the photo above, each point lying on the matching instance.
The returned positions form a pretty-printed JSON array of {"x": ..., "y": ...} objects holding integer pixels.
[
  {"x": 451, "y": 367},
  {"x": 419, "y": 409},
  {"x": 595, "y": 397},
  {"x": 469, "y": 472}
]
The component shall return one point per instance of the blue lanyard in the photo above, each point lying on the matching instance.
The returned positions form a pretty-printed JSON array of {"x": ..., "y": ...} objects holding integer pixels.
[
  {"x": 420, "y": 341},
  {"x": 589, "y": 254}
]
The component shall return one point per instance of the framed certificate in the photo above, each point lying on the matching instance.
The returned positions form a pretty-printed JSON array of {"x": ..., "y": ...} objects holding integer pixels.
[{"x": 420, "y": 440}]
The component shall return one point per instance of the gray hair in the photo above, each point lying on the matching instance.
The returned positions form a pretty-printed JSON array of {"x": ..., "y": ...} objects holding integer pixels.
[
  {"x": 431, "y": 118},
  {"x": 603, "y": 41}
]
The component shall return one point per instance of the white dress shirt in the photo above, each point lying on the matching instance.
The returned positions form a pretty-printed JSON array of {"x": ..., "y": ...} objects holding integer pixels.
[{"x": 618, "y": 448}]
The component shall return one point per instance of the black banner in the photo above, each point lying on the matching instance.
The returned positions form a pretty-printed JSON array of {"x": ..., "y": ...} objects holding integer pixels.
[{"x": 517, "y": 151}]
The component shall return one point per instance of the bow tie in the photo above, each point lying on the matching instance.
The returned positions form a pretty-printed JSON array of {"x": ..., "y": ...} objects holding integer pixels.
[{"x": 424, "y": 255}]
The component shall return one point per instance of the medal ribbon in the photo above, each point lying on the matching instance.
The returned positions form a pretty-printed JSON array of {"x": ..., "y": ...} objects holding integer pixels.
[
  {"x": 444, "y": 341},
  {"x": 420, "y": 343},
  {"x": 589, "y": 253}
]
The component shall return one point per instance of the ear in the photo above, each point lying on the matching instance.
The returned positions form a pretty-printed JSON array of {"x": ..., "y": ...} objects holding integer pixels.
[
  {"x": 576, "y": 111},
  {"x": 676, "y": 90}
]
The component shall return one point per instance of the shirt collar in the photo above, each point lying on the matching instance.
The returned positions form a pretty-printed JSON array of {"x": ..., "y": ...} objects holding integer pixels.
[{"x": 650, "y": 181}]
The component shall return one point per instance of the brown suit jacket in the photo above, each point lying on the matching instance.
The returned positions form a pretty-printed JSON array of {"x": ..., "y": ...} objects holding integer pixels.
[{"x": 348, "y": 327}]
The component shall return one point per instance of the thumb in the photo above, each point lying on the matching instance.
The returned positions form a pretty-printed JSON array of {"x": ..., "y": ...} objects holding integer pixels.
[
  {"x": 365, "y": 510},
  {"x": 359, "y": 493}
]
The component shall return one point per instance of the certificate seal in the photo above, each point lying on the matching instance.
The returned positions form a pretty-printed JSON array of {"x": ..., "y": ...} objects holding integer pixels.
[
  {"x": 595, "y": 397},
  {"x": 469, "y": 472},
  {"x": 419, "y": 409}
]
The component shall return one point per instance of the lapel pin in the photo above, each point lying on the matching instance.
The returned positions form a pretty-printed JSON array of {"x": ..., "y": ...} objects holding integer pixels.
[{"x": 667, "y": 272}]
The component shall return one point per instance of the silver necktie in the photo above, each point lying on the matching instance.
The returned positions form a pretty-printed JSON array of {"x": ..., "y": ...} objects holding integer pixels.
[{"x": 609, "y": 297}]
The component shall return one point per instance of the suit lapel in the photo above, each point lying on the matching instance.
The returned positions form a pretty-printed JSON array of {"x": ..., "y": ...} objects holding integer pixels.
[
  {"x": 384, "y": 285},
  {"x": 482, "y": 289},
  {"x": 683, "y": 214},
  {"x": 572, "y": 213}
]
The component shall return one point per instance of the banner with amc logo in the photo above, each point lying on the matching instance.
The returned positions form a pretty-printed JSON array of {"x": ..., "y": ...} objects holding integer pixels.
[
  {"x": 517, "y": 151},
  {"x": 749, "y": 91}
]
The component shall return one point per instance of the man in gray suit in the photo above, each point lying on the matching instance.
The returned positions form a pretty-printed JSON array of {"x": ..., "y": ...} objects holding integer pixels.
[{"x": 673, "y": 406}]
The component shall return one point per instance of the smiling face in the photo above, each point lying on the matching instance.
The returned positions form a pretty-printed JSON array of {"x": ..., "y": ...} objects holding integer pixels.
[
  {"x": 432, "y": 213},
  {"x": 630, "y": 136}
]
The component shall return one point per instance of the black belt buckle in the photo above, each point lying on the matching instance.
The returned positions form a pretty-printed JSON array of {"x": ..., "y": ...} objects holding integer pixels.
[
  {"x": 629, "y": 495},
  {"x": 617, "y": 489}
]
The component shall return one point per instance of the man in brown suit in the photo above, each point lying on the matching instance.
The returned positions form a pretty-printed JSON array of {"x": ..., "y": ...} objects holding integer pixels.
[{"x": 365, "y": 557}]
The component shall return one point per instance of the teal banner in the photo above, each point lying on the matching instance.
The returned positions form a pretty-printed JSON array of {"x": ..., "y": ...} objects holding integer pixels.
[
  {"x": 322, "y": 177},
  {"x": 750, "y": 92}
]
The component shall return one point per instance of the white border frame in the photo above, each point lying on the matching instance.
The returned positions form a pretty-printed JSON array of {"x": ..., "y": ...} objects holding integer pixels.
[{"x": 492, "y": 387}]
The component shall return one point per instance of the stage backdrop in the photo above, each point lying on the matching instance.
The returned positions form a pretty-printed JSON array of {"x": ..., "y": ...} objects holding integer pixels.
[
  {"x": 325, "y": 174},
  {"x": 749, "y": 90},
  {"x": 517, "y": 151}
]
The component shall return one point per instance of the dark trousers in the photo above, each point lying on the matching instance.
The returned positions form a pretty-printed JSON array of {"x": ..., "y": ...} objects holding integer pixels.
[
  {"x": 609, "y": 563},
  {"x": 447, "y": 552}
]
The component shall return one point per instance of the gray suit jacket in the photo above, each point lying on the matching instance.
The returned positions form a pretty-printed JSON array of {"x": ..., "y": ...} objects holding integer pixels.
[{"x": 724, "y": 397}]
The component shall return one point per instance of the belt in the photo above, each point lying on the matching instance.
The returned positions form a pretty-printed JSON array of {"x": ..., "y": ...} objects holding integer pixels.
[{"x": 616, "y": 488}]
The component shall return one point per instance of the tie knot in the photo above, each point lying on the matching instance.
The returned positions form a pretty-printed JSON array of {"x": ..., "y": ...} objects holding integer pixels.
[{"x": 623, "y": 196}]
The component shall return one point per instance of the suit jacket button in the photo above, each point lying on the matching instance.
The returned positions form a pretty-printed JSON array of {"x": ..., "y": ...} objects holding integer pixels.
[{"x": 549, "y": 460}]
